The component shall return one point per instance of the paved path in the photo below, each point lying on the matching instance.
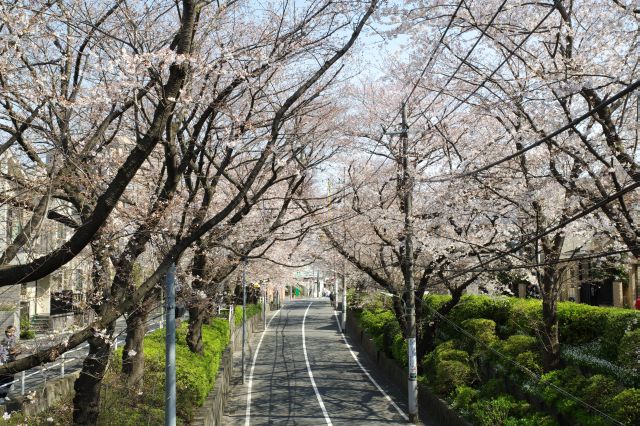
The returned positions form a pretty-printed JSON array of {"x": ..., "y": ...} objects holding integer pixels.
[{"x": 305, "y": 374}]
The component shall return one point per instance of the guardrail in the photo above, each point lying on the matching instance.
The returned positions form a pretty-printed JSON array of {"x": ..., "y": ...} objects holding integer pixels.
[{"x": 43, "y": 370}]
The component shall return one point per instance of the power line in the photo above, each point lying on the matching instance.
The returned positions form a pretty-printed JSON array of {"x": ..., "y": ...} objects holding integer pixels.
[
  {"x": 627, "y": 90},
  {"x": 560, "y": 225},
  {"x": 534, "y": 375},
  {"x": 463, "y": 61}
]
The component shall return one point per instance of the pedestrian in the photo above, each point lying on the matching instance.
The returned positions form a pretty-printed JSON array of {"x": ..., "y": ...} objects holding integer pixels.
[
  {"x": 8, "y": 352},
  {"x": 638, "y": 303},
  {"x": 332, "y": 298}
]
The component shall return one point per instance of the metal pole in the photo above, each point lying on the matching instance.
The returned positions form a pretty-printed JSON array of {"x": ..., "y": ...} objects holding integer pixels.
[
  {"x": 244, "y": 313},
  {"x": 170, "y": 350},
  {"x": 264, "y": 309},
  {"x": 336, "y": 289},
  {"x": 62, "y": 366},
  {"x": 344, "y": 303},
  {"x": 407, "y": 263},
  {"x": 22, "y": 379}
]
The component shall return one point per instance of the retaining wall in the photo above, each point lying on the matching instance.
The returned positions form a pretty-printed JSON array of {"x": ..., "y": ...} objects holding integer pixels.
[
  {"x": 429, "y": 405},
  {"x": 43, "y": 397}
]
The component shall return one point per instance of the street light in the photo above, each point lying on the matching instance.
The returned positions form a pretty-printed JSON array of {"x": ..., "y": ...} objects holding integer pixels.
[{"x": 244, "y": 312}]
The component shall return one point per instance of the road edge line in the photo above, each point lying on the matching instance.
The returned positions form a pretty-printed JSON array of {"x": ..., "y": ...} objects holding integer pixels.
[
  {"x": 344, "y": 339},
  {"x": 247, "y": 414},
  {"x": 313, "y": 382}
]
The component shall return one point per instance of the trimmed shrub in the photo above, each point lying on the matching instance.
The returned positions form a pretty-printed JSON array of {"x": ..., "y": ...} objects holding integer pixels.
[
  {"x": 531, "y": 361},
  {"x": 463, "y": 397},
  {"x": 497, "y": 411},
  {"x": 399, "y": 350},
  {"x": 625, "y": 406},
  {"x": 252, "y": 310},
  {"x": 374, "y": 322},
  {"x": 451, "y": 374},
  {"x": 483, "y": 330},
  {"x": 195, "y": 375},
  {"x": 629, "y": 351}
]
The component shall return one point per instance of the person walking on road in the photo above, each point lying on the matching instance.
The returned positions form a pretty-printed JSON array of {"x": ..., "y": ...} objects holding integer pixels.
[{"x": 8, "y": 352}]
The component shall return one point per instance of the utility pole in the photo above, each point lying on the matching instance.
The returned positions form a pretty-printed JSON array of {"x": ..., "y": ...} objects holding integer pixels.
[
  {"x": 407, "y": 269},
  {"x": 244, "y": 313},
  {"x": 170, "y": 350},
  {"x": 344, "y": 239},
  {"x": 264, "y": 307}
]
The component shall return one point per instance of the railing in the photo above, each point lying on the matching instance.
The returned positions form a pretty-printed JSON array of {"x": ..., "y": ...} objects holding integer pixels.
[{"x": 64, "y": 359}]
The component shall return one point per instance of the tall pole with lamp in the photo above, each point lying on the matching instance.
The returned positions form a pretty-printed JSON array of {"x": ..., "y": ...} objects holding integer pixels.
[{"x": 244, "y": 313}]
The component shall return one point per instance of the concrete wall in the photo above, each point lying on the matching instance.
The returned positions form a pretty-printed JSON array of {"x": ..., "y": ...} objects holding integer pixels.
[{"x": 44, "y": 396}]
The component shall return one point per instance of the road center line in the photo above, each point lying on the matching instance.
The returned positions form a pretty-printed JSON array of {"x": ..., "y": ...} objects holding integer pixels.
[
  {"x": 344, "y": 339},
  {"x": 313, "y": 382},
  {"x": 247, "y": 415}
]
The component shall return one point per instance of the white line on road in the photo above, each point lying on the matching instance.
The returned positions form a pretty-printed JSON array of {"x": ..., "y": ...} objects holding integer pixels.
[
  {"x": 306, "y": 358},
  {"x": 247, "y": 415},
  {"x": 404, "y": 416}
]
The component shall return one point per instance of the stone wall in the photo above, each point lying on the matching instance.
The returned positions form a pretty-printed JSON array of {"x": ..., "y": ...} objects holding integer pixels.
[
  {"x": 432, "y": 409},
  {"x": 44, "y": 396}
]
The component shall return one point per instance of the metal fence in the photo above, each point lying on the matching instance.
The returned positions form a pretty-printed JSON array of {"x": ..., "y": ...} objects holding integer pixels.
[{"x": 39, "y": 375}]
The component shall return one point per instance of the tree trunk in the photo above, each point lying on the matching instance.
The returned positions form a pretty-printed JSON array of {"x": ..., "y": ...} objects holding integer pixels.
[
  {"x": 86, "y": 403},
  {"x": 133, "y": 353},
  {"x": 197, "y": 316},
  {"x": 550, "y": 338}
]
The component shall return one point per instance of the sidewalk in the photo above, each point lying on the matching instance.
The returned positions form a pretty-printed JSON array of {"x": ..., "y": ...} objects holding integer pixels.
[{"x": 233, "y": 411}]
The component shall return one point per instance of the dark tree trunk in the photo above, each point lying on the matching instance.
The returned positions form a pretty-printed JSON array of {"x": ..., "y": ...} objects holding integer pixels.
[
  {"x": 428, "y": 332},
  {"x": 133, "y": 352},
  {"x": 550, "y": 338},
  {"x": 197, "y": 316},
  {"x": 86, "y": 403}
]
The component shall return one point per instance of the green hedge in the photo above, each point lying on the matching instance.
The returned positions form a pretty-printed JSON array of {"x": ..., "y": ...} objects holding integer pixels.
[
  {"x": 603, "y": 342},
  {"x": 252, "y": 310},
  {"x": 579, "y": 323},
  {"x": 599, "y": 391},
  {"x": 195, "y": 374}
]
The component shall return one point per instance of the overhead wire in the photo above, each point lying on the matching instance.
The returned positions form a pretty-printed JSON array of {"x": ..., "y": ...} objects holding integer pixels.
[
  {"x": 627, "y": 90},
  {"x": 469, "y": 52},
  {"x": 432, "y": 57},
  {"x": 551, "y": 229},
  {"x": 523, "y": 368}
]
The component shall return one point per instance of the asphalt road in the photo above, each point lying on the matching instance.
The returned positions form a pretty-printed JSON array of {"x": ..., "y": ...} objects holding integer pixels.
[{"x": 302, "y": 372}]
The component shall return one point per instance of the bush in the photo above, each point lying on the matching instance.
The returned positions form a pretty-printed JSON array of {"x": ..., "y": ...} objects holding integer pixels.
[
  {"x": 463, "y": 398},
  {"x": 374, "y": 323},
  {"x": 497, "y": 411},
  {"x": 531, "y": 361},
  {"x": 596, "y": 391},
  {"x": 450, "y": 375},
  {"x": 25, "y": 328},
  {"x": 586, "y": 357},
  {"x": 625, "y": 406},
  {"x": 252, "y": 310},
  {"x": 195, "y": 374},
  {"x": 483, "y": 332},
  {"x": 629, "y": 351},
  {"x": 399, "y": 350},
  {"x": 579, "y": 323}
]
